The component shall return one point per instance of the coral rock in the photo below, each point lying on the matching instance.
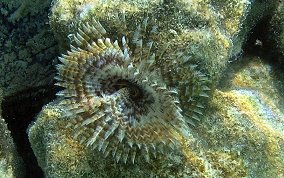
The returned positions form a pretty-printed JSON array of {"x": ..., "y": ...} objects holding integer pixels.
[{"x": 11, "y": 164}]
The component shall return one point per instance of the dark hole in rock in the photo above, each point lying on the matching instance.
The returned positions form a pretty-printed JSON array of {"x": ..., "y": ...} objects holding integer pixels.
[
  {"x": 257, "y": 42},
  {"x": 19, "y": 110}
]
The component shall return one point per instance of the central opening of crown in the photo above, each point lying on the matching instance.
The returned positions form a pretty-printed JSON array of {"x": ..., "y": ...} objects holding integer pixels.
[
  {"x": 135, "y": 99},
  {"x": 135, "y": 93}
]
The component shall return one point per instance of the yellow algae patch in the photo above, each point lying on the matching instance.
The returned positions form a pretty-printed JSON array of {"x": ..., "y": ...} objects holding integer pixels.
[
  {"x": 273, "y": 135},
  {"x": 209, "y": 163},
  {"x": 60, "y": 150},
  {"x": 258, "y": 75},
  {"x": 67, "y": 153},
  {"x": 255, "y": 74},
  {"x": 245, "y": 117},
  {"x": 204, "y": 162}
]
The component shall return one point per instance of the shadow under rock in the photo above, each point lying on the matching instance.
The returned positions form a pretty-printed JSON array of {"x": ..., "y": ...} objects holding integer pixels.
[{"x": 19, "y": 110}]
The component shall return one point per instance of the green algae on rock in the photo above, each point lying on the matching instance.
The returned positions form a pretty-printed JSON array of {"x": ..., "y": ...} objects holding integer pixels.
[
  {"x": 210, "y": 31},
  {"x": 241, "y": 136},
  {"x": 249, "y": 117},
  {"x": 27, "y": 46},
  {"x": 276, "y": 34},
  {"x": 245, "y": 127},
  {"x": 60, "y": 155},
  {"x": 11, "y": 164},
  {"x": 195, "y": 38},
  {"x": 198, "y": 43}
]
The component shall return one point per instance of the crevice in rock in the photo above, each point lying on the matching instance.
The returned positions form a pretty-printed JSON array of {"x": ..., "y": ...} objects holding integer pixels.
[
  {"x": 258, "y": 38},
  {"x": 20, "y": 110}
]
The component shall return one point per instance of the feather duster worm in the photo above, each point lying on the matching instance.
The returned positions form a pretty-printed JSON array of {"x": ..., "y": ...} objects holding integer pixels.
[{"x": 115, "y": 98}]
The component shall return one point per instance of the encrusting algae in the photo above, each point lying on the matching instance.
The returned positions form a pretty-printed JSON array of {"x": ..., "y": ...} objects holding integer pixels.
[
  {"x": 162, "y": 63},
  {"x": 11, "y": 164}
]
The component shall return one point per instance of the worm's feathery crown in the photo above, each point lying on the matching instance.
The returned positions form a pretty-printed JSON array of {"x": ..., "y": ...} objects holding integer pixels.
[{"x": 115, "y": 99}]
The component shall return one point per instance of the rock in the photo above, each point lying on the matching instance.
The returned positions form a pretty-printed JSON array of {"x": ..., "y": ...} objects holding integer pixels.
[
  {"x": 27, "y": 46},
  {"x": 276, "y": 34},
  {"x": 248, "y": 117},
  {"x": 238, "y": 120},
  {"x": 11, "y": 164},
  {"x": 60, "y": 155},
  {"x": 208, "y": 32}
]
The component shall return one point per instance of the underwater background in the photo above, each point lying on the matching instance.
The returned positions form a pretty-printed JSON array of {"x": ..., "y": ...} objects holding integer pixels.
[{"x": 142, "y": 88}]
